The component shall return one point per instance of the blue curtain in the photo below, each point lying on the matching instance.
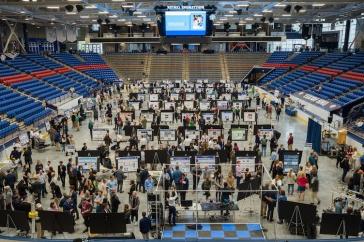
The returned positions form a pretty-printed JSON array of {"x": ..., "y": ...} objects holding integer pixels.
[{"x": 314, "y": 135}]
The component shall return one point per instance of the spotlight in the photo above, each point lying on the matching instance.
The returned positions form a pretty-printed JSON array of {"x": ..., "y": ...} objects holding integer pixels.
[
  {"x": 287, "y": 8},
  {"x": 79, "y": 8},
  {"x": 107, "y": 21},
  {"x": 262, "y": 19},
  {"x": 69, "y": 8},
  {"x": 271, "y": 20},
  {"x": 239, "y": 11},
  {"x": 99, "y": 21},
  {"x": 298, "y": 8}
]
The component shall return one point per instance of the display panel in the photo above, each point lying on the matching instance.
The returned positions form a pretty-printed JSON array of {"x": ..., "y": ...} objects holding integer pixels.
[
  {"x": 291, "y": 161},
  {"x": 185, "y": 23},
  {"x": 208, "y": 161},
  {"x": 129, "y": 163},
  {"x": 193, "y": 134},
  {"x": 226, "y": 116},
  {"x": 244, "y": 163},
  {"x": 182, "y": 161},
  {"x": 87, "y": 163},
  {"x": 239, "y": 134},
  {"x": 145, "y": 133},
  {"x": 167, "y": 135}
]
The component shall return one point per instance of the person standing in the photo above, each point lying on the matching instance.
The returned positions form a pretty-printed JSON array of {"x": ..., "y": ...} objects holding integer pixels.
[
  {"x": 264, "y": 142},
  {"x": 314, "y": 185},
  {"x": 184, "y": 187},
  {"x": 91, "y": 127},
  {"x": 172, "y": 208},
  {"x": 119, "y": 174},
  {"x": 196, "y": 174},
  {"x": 271, "y": 199},
  {"x": 290, "y": 141},
  {"x": 145, "y": 226},
  {"x": 86, "y": 210},
  {"x": 278, "y": 112},
  {"x": 149, "y": 184},
  {"x": 134, "y": 207},
  {"x": 345, "y": 165},
  {"x": 114, "y": 201},
  {"x": 302, "y": 183},
  {"x": 290, "y": 180}
]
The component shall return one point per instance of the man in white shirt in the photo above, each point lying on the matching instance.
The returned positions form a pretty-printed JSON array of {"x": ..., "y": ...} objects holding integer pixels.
[
  {"x": 187, "y": 143},
  {"x": 172, "y": 208}
]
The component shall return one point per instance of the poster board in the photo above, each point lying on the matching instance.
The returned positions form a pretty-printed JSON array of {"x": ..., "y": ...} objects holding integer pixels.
[
  {"x": 134, "y": 105},
  {"x": 23, "y": 139},
  {"x": 167, "y": 116},
  {"x": 168, "y": 105},
  {"x": 193, "y": 134},
  {"x": 141, "y": 97},
  {"x": 182, "y": 161},
  {"x": 174, "y": 96},
  {"x": 237, "y": 104},
  {"x": 70, "y": 149},
  {"x": 227, "y": 116},
  {"x": 148, "y": 115},
  {"x": 225, "y": 96},
  {"x": 267, "y": 132},
  {"x": 243, "y": 96},
  {"x": 167, "y": 135},
  {"x": 210, "y": 96},
  {"x": 291, "y": 160},
  {"x": 243, "y": 163},
  {"x": 153, "y": 97},
  {"x": 249, "y": 116},
  {"x": 99, "y": 134},
  {"x": 153, "y": 105},
  {"x": 189, "y": 104},
  {"x": 214, "y": 133},
  {"x": 88, "y": 162},
  {"x": 206, "y": 160},
  {"x": 205, "y": 105},
  {"x": 208, "y": 116},
  {"x": 190, "y": 96},
  {"x": 129, "y": 163},
  {"x": 157, "y": 90},
  {"x": 145, "y": 133},
  {"x": 221, "y": 104},
  {"x": 239, "y": 134}
]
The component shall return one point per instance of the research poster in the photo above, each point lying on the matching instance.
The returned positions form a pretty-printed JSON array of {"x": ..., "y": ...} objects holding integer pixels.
[
  {"x": 153, "y": 105},
  {"x": 214, "y": 133},
  {"x": 249, "y": 116},
  {"x": 145, "y": 133},
  {"x": 208, "y": 161},
  {"x": 190, "y": 96},
  {"x": 134, "y": 105},
  {"x": 204, "y": 106},
  {"x": 209, "y": 117},
  {"x": 192, "y": 134},
  {"x": 87, "y": 163},
  {"x": 167, "y": 116},
  {"x": 174, "y": 96},
  {"x": 129, "y": 163},
  {"x": 189, "y": 104},
  {"x": 222, "y": 104},
  {"x": 267, "y": 132},
  {"x": 167, "y": 135},
  {"x": 226, "y": 116},
  {"x": 183, "y": 163},
  {"x": 238, "y": 134},
  {"x": 99, "y": 133},
  {"x": 153, "y": 97},
  {"x": 243, "y": 163},
  {"x": 169, "y": 105}
]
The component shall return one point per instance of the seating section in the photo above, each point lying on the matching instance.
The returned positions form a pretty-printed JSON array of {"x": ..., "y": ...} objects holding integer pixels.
[
  {"x": 278, "y": 56},
  {"x": 92, "y": 58},
  {"x": 128, "y": 65},
  {"x": 90, "y": 83},
  {"x": 304, "y": 57},
  {"x": 240, "y": 64},
  {"x": 39, "y": 89},
  {"x": 273, "y": 74},
  {"x": 67, "y": 59},
  {"x": 6, "y": 128},
  {"x": 205, "y": 66},
  {"x": 6, "y": 70},
  {"x": 166, "y": 67},
  {"x": 66, "y": 83},
  {"x": 20, "y": 107},
  {"x": 44, "y": 61},
  {"x": 23, "y": 64}
]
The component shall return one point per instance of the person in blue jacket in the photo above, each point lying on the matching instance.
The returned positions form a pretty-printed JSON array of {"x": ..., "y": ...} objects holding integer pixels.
[{"x": 145, "y": 226}]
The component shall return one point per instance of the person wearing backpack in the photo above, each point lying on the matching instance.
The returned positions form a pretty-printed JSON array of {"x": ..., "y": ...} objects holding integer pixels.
[{"x": 263, "y": 142}]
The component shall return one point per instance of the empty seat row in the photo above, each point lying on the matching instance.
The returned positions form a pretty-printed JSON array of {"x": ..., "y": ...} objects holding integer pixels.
[
  {"x": 7, "y": 129},
  {"x": 44, "y": 61},
  {"x": 25, "y": 65},
  {"x": 278, "y": 56},
  {"x": 39, "y": 89}
]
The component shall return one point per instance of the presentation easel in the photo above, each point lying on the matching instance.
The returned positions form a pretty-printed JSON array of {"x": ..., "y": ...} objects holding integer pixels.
[
  {"x": 343, "y": 226},
  {"x": 249, "y": 209},
  {"x": 296, "y": 220},
  {"x": 9, "y": 221},
  {"x": 155, "y": 161}
]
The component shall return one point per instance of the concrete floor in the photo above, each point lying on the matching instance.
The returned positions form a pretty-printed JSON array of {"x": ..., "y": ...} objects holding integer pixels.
[{"x": 328, "y": 175}]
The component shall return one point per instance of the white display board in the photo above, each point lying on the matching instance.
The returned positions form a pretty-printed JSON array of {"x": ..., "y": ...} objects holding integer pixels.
[
  {"x": 238, "y": 134},
  {"x": 225, "y": 96},
  {"x": 126, "y": 115},
  {"x": 243, "y": 163},
  {"x": 214, "y": 133},
  {"x": 189, "y": 104},
  {"x": 243, "y": 97},
  {"x": 222, "y": 104},
  {"x": 87, "y": 163},
  {"x": 153, "y": 97},
  {"x": 193, "y": 134},
  {"x": 168, "y": 105},
  {"x": 145, "y": 133},
  {"x": 24, "y": 139},
  {"x": 183, "y": 163},
  {"x": 167, "y": 135},
  {"x": 226, "y": 116},
  {"x": 267, "y": 132},
  {"x": 190, "y": 96},
  {"x": 237, "y": 105},
  {"x": 129, "y": 163},
  {"x": 153, "y": 105},
  {"x": 209, "y": 117},
  {"x": 157, "y": 90},
  {"x": 70, "y": 149},
  {"x": 249, "y": 116},
  {"x": 148, "y": 115},
  {"x": 174, "y": 96},
  {"x": 210, "y": 96},
  {"x": 141, "y": 97},
  {"x": 167, "y": 116},
  {"x": 207, "y": 160},
  {"x": 204, "y": 105},
  {"x": 135, "y": 105},
  {"x": 99, "y": 134}
]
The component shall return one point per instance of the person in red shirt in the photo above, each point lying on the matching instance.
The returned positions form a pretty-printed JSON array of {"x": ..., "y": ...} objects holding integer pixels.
[{"x": 302, "y": 183}]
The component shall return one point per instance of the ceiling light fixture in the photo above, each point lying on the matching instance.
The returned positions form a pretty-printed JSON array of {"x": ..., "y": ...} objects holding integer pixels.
[
  {"x": 258, "y": 15},
  {"x": 53, "y": 7},
  {"x": 137, "y": 12},
  {"x": 117, "y": 0},
  {"x": 103, "y": 12},
  {"x": 249, "y": 19},
  {"x": 74, "y": 1},
  {"x": 280, "y": 5},
  {"x": 22, "y": 12},
  {"x": 229, "y": 15},
  {"x": 91, "y": 6},
  {"x": 286, "y": 15},
  {"x": 71, "y": 13},
  {"x": 243, "y": 5},
  {"x": 84, "y": 16},
  {"x": 267, "y": 11},
  {"x": 141, "y": 16},
  {"x": 318, "y": 4},
  {"x": 113, "y": 16}
]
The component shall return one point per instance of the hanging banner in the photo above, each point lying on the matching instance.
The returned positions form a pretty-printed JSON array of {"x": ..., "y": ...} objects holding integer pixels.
[
  {"x": 71, "y": 32},
  {"x": 51, "y": 34},
  {"x": 61, "y": 34}
]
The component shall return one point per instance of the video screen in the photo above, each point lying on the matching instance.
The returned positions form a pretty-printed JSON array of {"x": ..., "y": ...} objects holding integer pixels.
[{"x": 185, "y": 23}]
